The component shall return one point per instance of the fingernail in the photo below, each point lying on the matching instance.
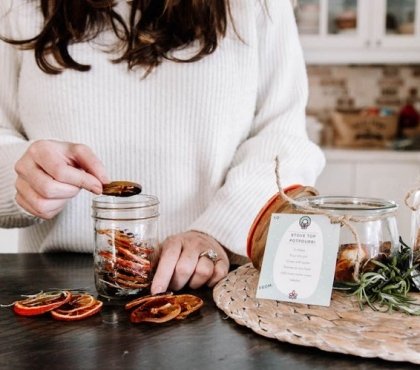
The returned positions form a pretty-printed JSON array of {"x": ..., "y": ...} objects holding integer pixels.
[{"x": 156, "y": 290}]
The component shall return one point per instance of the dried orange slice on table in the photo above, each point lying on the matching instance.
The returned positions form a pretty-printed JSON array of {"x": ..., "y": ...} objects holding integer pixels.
[
  {"x": 41, "y": 303},
  {"x": 157, "y": 310},
  {"x": 62, "y": 304},
  {"x": 79, "y": 307},
  {"x": 189, "y": 303},
  {"x": 163, "y": 307}
]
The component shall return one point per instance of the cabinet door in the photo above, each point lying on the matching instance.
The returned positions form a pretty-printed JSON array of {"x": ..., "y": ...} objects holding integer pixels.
[
  {"x": 398, "y": 26},
  {"x": 389, "y": 181},
  {"x": 340, "y": 24},
  {"x": 331, "y": 30},
  {"x": 359, "y": 31}
]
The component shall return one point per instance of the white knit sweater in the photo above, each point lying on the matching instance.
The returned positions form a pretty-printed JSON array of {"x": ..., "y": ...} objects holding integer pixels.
[{"x": 201, "y": 136}]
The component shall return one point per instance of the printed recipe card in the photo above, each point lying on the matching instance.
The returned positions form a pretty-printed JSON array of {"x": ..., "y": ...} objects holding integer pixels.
[{"x": 299, "y": 259}]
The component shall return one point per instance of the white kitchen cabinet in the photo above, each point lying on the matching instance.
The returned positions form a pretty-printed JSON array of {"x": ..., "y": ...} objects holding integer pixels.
[
  {"x": 372, "y": 173},
  {"x": 337, "y": 178},
  {"x": 359, "y": 31}
]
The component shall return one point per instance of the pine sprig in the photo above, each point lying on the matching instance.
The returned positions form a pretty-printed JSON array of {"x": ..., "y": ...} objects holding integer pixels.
[{"x": 386, "y": 289}]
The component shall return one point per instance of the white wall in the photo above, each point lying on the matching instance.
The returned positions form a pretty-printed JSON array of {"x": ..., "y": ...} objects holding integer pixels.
[{"x": 8, "y": 240}]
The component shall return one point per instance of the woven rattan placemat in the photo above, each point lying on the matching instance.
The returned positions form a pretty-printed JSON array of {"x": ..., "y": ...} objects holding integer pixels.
[{"x": 341, "y": 328}]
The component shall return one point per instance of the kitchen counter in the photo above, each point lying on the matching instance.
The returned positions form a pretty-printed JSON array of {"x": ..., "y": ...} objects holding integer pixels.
[
  {"x": 207, "y": 340},
  {"x": 367, "y": 155}
]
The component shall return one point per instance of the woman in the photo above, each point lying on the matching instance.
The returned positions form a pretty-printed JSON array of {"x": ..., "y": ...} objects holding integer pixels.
[{"x": 194, "y": 99}]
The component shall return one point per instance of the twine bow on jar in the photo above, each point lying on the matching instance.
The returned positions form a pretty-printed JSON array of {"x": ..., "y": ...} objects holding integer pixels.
[{"x": 410, "y": 194}]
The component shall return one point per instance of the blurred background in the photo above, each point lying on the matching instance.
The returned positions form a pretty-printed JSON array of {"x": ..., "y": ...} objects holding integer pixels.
[{"x": 363, "y": 61}]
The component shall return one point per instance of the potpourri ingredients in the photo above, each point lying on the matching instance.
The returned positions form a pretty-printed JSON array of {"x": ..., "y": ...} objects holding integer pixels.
[
  {"x": 121, "y": 189},
  {"x": 350, "y": 254},
  {"x": 41, "y": 303},
  {"x": 189, "y": 303},
  {"x": 79, "y": 307},
  {"x": 127, "y": 266},
  {"x": 157, "y": 310},
  {"x": 63, "y": 305},
  {"x": 163, "y": 307},
  {"x": 386, "y": 289},
  {"x": 139, "y": 301}
]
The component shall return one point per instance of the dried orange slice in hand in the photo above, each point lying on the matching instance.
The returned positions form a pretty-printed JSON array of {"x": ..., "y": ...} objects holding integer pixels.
[
  {"x": 121, "y": 188},
  {"x": 79, "y": 307},
  {"x": 41, "y": 303}
]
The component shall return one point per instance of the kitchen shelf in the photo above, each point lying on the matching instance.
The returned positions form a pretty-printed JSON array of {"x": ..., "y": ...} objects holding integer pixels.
[{"x": 360, "y": 31}]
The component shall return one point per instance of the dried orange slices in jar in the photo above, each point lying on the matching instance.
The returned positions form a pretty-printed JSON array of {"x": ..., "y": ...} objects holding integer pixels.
[{"x": 162, "y": 308}]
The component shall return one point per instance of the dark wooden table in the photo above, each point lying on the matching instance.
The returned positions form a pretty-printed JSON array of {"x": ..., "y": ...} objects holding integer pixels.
[{"x": 208, "y": 340}]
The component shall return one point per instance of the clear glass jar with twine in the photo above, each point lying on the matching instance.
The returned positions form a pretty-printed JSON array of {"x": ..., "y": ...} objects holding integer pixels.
[
  {"x": 368, "y": 228},
  {"x": 412, "y": 201},
  {"x": 126, "y": 244},
  {"x": 368, "y": 231}
]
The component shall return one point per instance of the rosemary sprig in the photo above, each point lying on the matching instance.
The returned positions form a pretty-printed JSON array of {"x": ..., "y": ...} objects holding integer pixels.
[{"x": 386, "y": 289}]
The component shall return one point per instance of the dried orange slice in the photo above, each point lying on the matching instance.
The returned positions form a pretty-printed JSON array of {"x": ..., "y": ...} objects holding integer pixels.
[
  {"x": 158, "y": 310},
  {"x": 148, "y": 298},
  {"x": 189, "y": 303},
  {"x": 121, "y": 189},
  {"x": 41, "y": 303},
  {"x": 163, "y": 307},
  {"x": 79, "y": 307}
]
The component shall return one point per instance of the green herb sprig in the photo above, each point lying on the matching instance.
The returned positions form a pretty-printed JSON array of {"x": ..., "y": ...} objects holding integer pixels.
[{"x": 386, "y": 289}]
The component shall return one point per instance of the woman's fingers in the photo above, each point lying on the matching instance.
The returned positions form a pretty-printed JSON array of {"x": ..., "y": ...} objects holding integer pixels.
[
  {"x": 203, "y": 273},
  {"x": 35, "y": 204},
  {"x": 171, "y": 250},
  {"x": 186, "y": 267},
  {"x": 43, "y": 184},
  {"x": 86, "y": 159},
  {"x": 73, "y": 164},
  {"x": 51, "y": 172},
  {"x": 180, "y": 263},
  {"x": 220, "y": 271}
]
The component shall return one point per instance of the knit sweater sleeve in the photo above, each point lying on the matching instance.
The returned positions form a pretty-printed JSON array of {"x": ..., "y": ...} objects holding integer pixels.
[
  {"x": 278, "y": 131},
  {"x": 12, "y": 139}
]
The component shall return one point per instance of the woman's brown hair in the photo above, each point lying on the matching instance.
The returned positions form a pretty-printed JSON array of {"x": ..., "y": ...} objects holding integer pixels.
[{"x": 155, "y": 28}]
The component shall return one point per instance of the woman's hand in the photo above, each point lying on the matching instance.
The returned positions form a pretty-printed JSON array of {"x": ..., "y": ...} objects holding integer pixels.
[
  {"x": 180, "y": 262},
  {"x": 52, "y": 172}
]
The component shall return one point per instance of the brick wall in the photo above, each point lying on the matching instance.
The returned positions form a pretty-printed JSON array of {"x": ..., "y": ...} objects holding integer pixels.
[{"x": 361, "y": 86}]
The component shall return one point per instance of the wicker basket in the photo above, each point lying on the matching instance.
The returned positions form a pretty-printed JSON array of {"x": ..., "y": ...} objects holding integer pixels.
[{"x": 356, "y": 130}]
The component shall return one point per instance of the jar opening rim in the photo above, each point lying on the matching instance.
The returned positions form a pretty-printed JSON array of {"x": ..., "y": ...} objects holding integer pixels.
[
  {"x": 349, "y": 203},
  {"x": 135, "y": 201}
]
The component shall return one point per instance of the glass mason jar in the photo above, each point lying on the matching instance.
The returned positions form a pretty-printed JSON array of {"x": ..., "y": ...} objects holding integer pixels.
[
  {"x": 372, "y": 220},
  {"x": 126, "y": 244},
  {"x": 415, "y": 238}
]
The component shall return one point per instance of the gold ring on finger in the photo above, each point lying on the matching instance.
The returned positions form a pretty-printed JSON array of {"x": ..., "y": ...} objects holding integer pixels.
[{"x": 211, "y": 254}]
